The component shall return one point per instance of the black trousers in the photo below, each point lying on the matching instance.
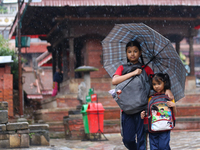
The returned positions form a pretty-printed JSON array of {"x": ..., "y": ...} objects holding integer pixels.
[{"x": 133, "y": 132}]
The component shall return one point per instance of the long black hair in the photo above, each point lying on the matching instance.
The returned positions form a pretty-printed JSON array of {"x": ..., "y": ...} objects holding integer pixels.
[
  {"x": 161, "y": 77},
  {"x": 137, "y": 44}
]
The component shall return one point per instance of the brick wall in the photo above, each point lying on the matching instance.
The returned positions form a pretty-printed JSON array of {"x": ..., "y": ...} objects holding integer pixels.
[
  {"x": 94, "y": 52},
  {"x": 6, "y": 88}
]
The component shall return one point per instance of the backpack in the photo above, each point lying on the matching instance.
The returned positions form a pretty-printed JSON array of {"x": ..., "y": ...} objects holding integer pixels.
[
  {"x": 160, "y": 116},
  {"x": 135, "y": 90}
]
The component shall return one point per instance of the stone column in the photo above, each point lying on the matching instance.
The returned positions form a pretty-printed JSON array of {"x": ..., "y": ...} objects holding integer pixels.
[
  {"x": 71, "y": 57},
  {"x": 192, "y": 33},
  {"x": 87, "y": 80}
]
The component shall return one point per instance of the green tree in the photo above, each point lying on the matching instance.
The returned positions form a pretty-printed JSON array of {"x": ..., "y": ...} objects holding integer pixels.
[
  {"x": 6, "y": 51},
  {"x": 3, "y": 10}
]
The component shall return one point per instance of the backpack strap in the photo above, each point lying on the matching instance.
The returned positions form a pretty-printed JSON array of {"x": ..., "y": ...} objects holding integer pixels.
[
  {"x": 159, "y": 95},
  {"x": 129, "y": 67}
]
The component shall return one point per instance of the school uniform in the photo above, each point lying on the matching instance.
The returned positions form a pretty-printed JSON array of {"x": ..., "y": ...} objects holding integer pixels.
[{"x": 132, "y": 125}]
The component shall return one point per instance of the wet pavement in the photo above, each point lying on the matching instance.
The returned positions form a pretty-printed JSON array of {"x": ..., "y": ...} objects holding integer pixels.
[{"x": 179, "y": 141}]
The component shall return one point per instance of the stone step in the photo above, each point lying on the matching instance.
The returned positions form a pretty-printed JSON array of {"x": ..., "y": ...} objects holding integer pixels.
[
  {"x": 57, "y": 114},
  {"x": 57, "y": 129},
  {"x": 111, "y": 113},
  {"x": 187, "y": 123},
  {"x": 186, "y": 106},
  {"x": 71, "y": 100},
  {"x": 182, "y": 123},
  {"x": 190, "y": 98},
  {"x": 49, "y": 103},
  {"x": 56, "y": 126},
  {"x": 50, "y": 115},
  {"x": 190, "y": 109},
  {"x": 112, "y": 126},
  {"x": 188, "y": 119},
  {"x": 188, "y": 116}
]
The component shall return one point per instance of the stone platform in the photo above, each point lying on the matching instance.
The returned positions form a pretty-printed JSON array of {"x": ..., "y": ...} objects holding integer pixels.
[
  {"x": 20, "y": 134},
  {"x": 188, "y": 115}
]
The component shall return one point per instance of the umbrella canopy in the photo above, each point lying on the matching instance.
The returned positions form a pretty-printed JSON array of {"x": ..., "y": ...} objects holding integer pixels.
[{"x": 157, "y": 51}]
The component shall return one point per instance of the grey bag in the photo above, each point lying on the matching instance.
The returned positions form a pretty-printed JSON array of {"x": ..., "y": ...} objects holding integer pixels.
[{"x": 135, "y": 91}]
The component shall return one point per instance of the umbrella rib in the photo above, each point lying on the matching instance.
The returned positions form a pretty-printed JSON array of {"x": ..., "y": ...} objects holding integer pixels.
[
  {"x": 156, "y": 55},
  {"x": 165, "y": 58},
  {"x": 154, "y": 38},
  {"x": 163, "y": 48}
]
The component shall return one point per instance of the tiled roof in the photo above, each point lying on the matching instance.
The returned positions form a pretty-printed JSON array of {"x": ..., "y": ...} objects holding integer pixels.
[
  {"x": 116, "y": 2},
  {"x": 43, "y": 58}
]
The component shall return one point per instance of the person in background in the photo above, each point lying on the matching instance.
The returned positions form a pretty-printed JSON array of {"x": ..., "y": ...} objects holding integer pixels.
[{"x": 57, "y": 79}]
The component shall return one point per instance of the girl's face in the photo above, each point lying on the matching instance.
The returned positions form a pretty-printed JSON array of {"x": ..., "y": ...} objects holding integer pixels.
[
  {"x": 158, "y": 86},
  {"x": 133, "y": 54}
]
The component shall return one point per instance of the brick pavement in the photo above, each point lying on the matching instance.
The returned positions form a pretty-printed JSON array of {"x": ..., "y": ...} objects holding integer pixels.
[{"x": 179, "y": 141}]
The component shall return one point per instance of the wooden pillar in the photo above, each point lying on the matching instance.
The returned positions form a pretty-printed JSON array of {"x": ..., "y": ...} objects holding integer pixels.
[
  {"x": 20, "y": 88},
  {"x": 178, "y": 47},
  {"x": 59, "y": 55},
  {"x": 59, "y": 61},
  {"x": 191, "y": 56},
  {"x": 54, "y": 61},
  {"x": 71, "y": 57},
  {"x": 64, "y": 61}
]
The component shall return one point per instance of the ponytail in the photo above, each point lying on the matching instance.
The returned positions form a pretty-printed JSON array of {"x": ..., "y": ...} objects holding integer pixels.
[{"x": 167, "y": 81}]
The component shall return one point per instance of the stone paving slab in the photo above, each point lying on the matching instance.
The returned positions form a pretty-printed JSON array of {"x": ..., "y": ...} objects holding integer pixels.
[
  {"x": 179, "y": 141},
  {"x": 17, "y": 126}
]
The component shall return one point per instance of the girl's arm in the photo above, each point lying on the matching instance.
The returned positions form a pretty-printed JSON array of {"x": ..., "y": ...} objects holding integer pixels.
[
  {"x": 118, "y": 79},
  {"x": 168, "y": 92},
  {"x": 173, "y": 105}
]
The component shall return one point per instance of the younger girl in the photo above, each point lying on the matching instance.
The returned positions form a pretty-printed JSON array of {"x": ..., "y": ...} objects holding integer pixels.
[{"x": 160, "y": 141}]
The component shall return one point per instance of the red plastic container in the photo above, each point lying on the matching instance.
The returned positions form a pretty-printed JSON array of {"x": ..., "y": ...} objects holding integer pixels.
[{"x": 95, "y": 113}]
